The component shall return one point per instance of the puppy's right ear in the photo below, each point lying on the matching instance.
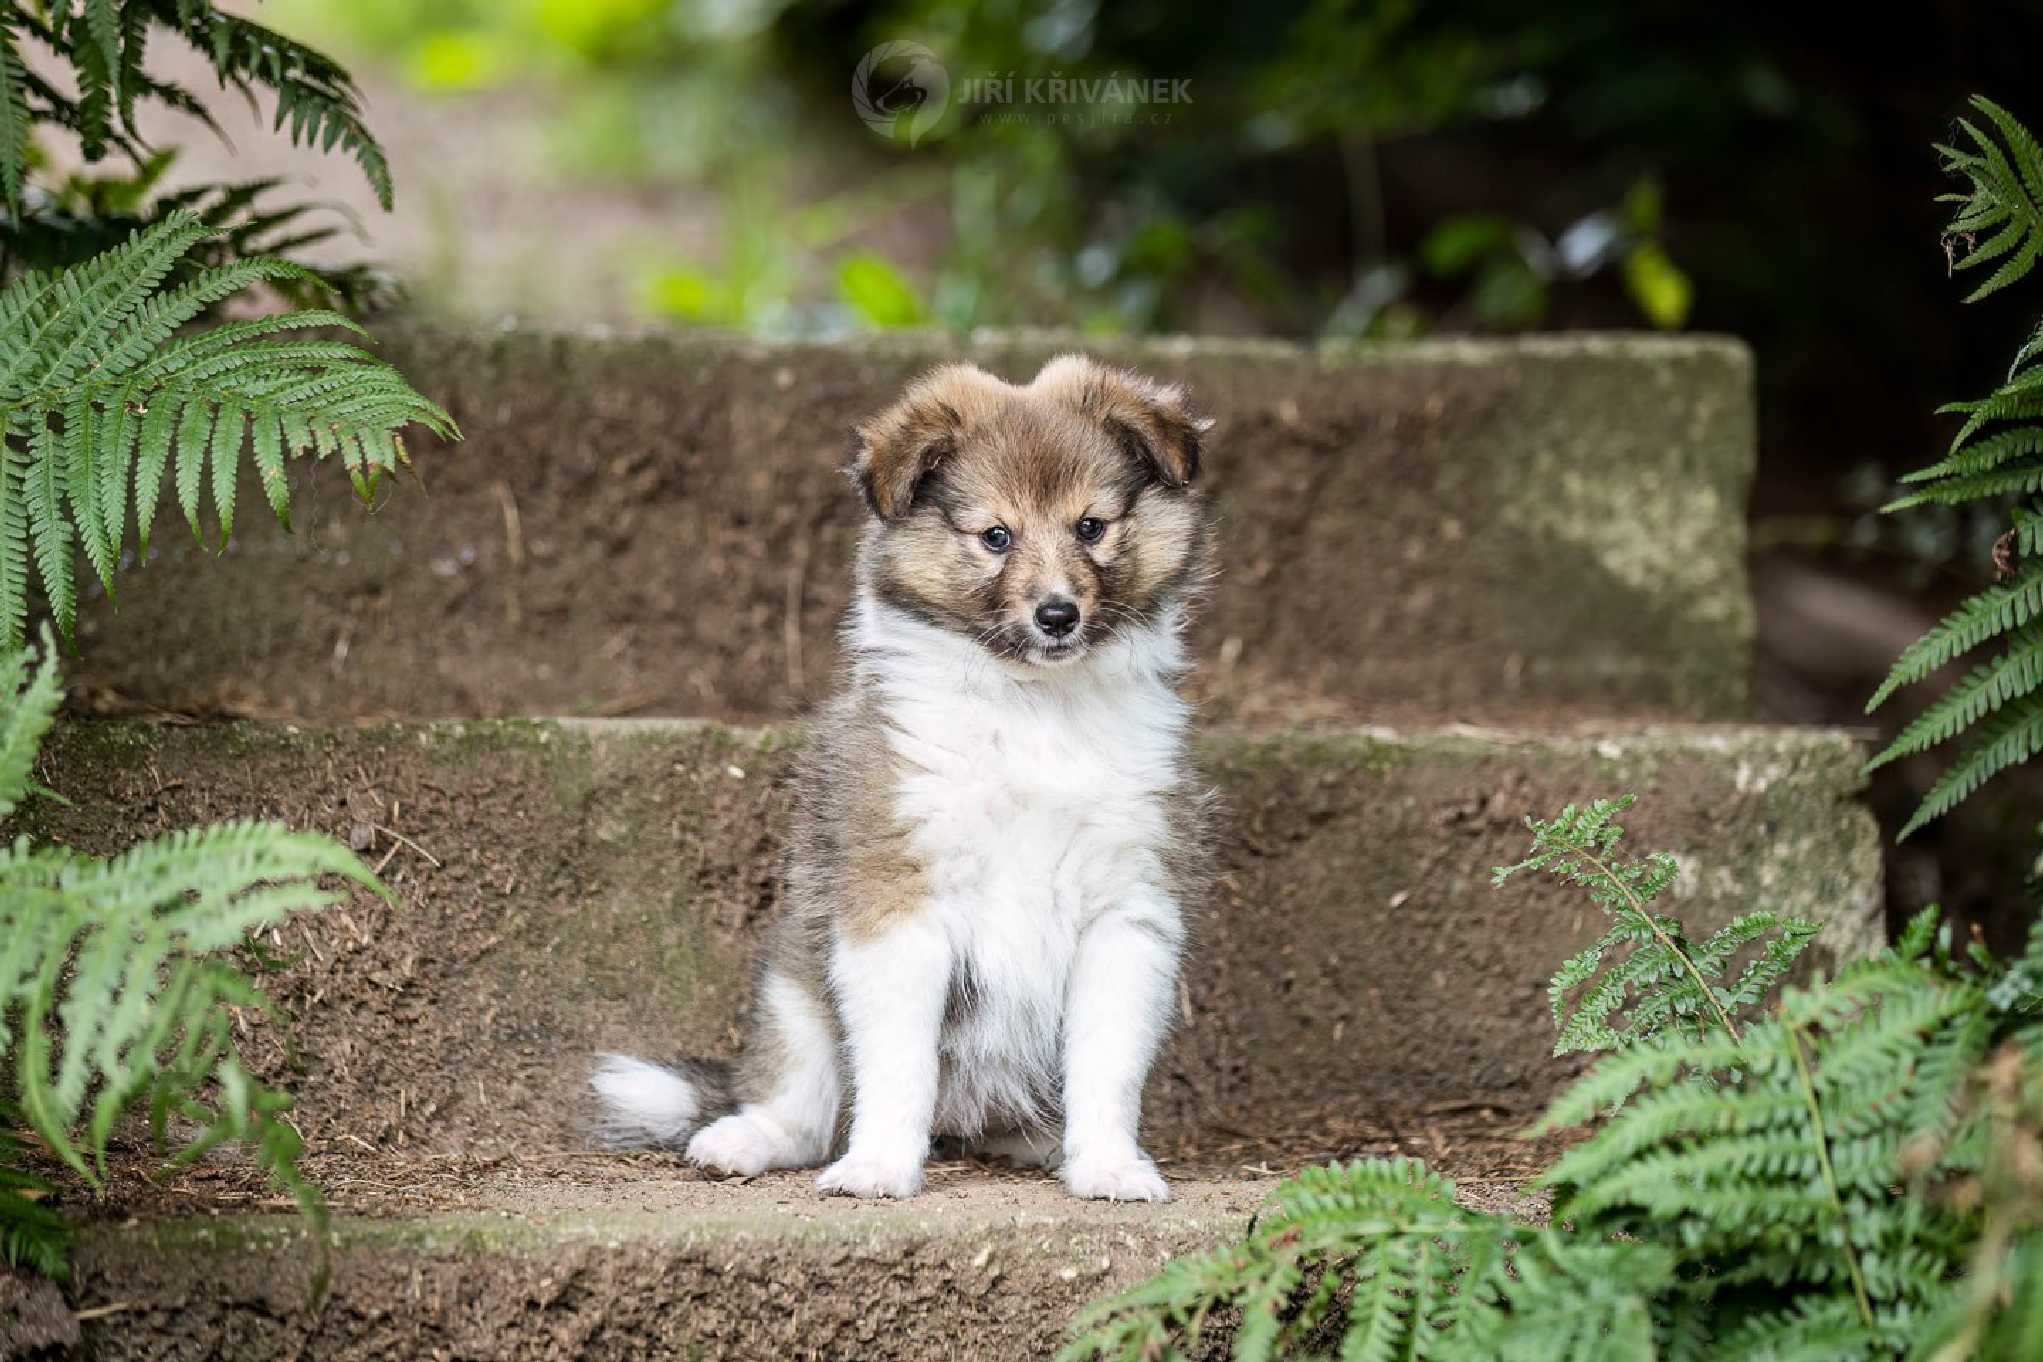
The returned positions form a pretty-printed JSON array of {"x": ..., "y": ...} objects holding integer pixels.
[{"x": 893, "y": 453}]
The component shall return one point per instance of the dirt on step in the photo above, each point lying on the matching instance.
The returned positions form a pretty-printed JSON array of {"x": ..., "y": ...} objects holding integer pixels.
[
  {"x": 558, "y": 892},
  {"x": 656, "y": 525}
]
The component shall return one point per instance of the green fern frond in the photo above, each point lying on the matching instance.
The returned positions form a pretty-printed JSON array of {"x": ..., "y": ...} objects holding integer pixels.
[
  {"x": 2004, "y": 202},
  {"x": 30, "y": 709},
  {"x": 1852, "y": 1176},
  {"x": 316, "y": 99},
  {"x": 1387, "y": 1232},
  {"x": 1983, "y": 456},
  {"x": 2011, "y": 737},
  {"x": 1644, "y": 965},
  {"x": 1571, "y": 1297},
  {"x": 2010, "y": 480},
  {"x": 114, "y": 983},
  {"x": 2014, "y": 674},
  {"x": 1997, "y": 221},
  {"x": 93, "y": 369},
  {"x": 32, "y": 1235},
  {"x": 1817, "y": 1331},
  {"x": 1992, "y": 612},
  {"x": 14, "y": 122}
]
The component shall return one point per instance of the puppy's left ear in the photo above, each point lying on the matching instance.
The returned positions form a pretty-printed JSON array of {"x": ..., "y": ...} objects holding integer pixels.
[{"x": 1153, "y": 421}]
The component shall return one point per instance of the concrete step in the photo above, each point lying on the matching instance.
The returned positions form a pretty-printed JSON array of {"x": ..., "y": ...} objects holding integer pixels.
[
  {"x": 985, "y": 1267},
  {"x": 565, "y": 888},
  {"x": 1506, "y": 531}
]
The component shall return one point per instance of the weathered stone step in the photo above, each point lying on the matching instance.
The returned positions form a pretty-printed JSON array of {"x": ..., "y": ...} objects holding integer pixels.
[
  {"x": 568, "y": 888},
  {"x": 1497, "y": 531},
  {"x": 984, "y": 1266}
]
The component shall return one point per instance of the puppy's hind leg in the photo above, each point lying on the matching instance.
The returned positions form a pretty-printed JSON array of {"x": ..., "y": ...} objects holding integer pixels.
[{"x": 790, "y": 1077}]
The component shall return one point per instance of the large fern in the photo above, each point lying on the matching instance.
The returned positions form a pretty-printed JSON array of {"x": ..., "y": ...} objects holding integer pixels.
[
  {"x": 106, "y": 401},
  {"x": 1995, "y": 458},
  {"x": 104, "y": 44},
  {"x": 115, "y": 985},
  {"x": 1858, "y": 1175}
]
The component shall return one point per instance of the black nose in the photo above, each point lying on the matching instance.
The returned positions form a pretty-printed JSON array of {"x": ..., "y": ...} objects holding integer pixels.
[{"x": 1057, "y": 616}]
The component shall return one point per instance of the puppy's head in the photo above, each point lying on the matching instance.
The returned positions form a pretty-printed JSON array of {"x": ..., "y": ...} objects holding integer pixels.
[{"x": 1037, "y": 521}]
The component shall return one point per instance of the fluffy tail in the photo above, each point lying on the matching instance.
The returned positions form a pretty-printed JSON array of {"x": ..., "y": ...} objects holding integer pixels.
[{"x": 656, "y": 1106}]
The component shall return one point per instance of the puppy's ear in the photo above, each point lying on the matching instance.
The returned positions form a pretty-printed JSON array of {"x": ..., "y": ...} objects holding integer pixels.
[
  {"x": 894, "y": 451},
  {"x": 1153, "y": 421}
]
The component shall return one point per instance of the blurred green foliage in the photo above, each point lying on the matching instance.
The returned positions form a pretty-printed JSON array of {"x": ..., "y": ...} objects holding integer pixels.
[{"x": 1137, "y": 216}]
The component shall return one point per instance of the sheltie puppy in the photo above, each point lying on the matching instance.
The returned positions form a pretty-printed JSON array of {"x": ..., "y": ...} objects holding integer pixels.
[{"x": 998, "y": 834}]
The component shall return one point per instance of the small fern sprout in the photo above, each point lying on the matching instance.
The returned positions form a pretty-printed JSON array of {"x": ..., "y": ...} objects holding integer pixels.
[
  {"x": 1644, "y": 966},
  {"x": 104, "y": 400}
]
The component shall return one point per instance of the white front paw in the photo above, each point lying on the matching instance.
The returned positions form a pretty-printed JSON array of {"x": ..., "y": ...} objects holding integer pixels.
[
  {"x": 867, "y": 1175},
  {"x": 1115, "y": 1177},
  {"x": 736, "y": 1144}
]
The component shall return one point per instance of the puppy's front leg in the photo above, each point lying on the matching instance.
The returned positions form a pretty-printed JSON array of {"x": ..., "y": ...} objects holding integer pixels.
[
  {"x": 1115, "y": 1015},
  {"x": 891, "y": 988}
]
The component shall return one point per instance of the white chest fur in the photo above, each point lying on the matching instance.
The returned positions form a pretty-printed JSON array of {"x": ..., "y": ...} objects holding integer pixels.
[{"x": 1034, "y": 802}]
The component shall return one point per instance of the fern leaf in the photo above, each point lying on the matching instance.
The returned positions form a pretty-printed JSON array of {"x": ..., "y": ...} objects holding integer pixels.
[
  {"x": 228, "y": 434},
  {"x": 93, "y": 357},
  {"x": 152, "y": 456},
  {"x": 1643, "y": 966},
  {"x": 80, "y": 438},
  {"x": 2003, "y": 198},
  {"x": 2016, "y": 673},
  {"x": 30, "y": 709},
  {"x": 2011, "y": 737},
  {"x": 316, "y": 99},
  {"x": 121, "y": 924},
  {"x": 194, "y": 434},
  {"x": 1412, "y": 1261},
  {"x": 269, "y": 462},
  {"x": 32, "y": 1235},
  {"x": 14, "y": 122},
  {"x": 50, "y": 530},
  {"x": 2008, "y": 480},
  {"x": 1993, "y": 611},
  {"x": 1983, "y": 456},
  {"x": 103, "y": 21},
  {"x": 14, "y": 539},
  {"x": 1820, "y": 1331}
]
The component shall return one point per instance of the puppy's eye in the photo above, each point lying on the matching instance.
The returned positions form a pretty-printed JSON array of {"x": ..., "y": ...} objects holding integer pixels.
[
  {"x": 1090, "y": 529},
  {"x": 997, "y": 539}
]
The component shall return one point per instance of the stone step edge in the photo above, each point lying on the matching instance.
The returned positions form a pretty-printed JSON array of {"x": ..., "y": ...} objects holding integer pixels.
[
  {"x": 777, "y": 1207},
  {"x": 1611, "y": 739}
]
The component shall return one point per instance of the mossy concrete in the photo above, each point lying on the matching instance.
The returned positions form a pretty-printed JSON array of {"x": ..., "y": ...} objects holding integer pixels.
[
  {"x": 564, "y": 889},
  {"x": 1500, "y": 531}
]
